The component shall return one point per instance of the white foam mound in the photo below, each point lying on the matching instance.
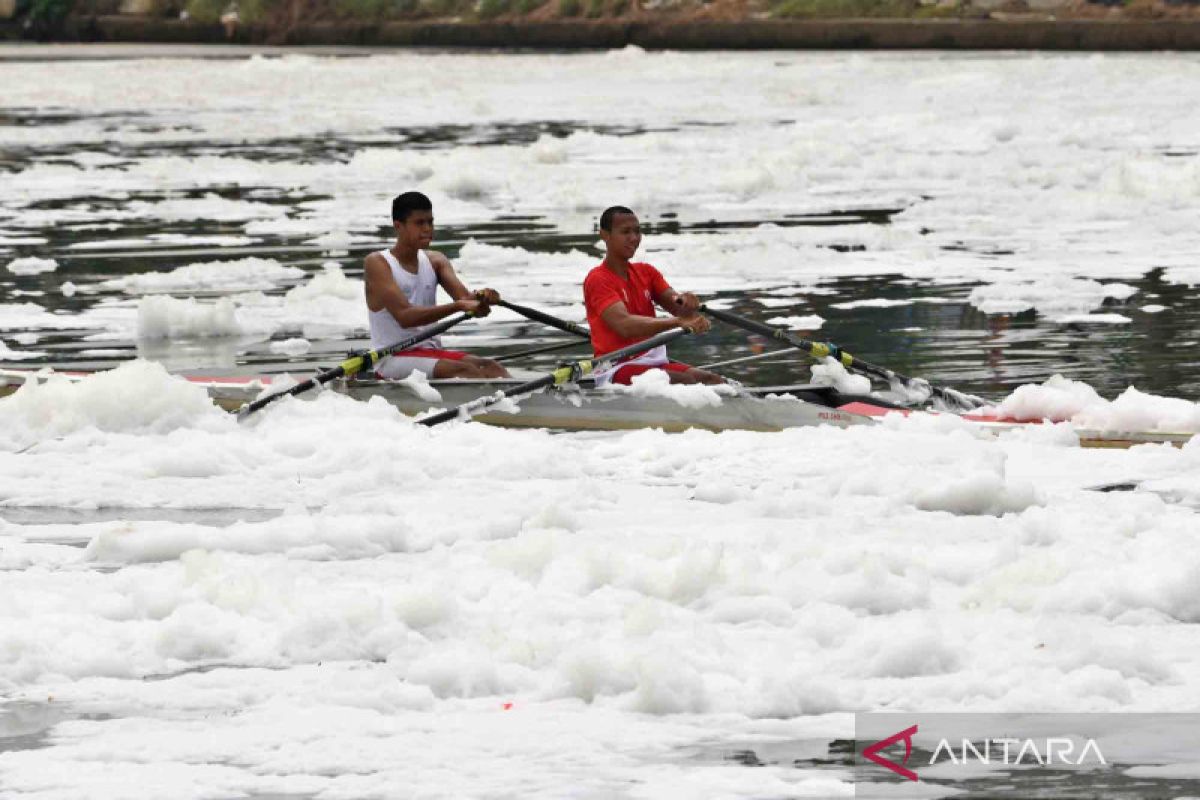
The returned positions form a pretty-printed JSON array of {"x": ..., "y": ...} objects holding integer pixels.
[
  {"x": 32, "y": 265},
  {"x": 330, "y": 304},
  {"x": 831, "y": 373},
  {"x": 877, "y": 302},
  {"x": 1060, "y": 399},
  {"x": 418, "y": 383},
  {"x": 293, "y": 347},
  {"x": 549, "y": 150},
  {"x": 1061, "y": 298},
  {"x": 330, "y": 282},
  {"x": 244, "y": 274},
  {"x": 657, "y": 383},
  {"x": 136, "y": 397},
  {"x": 164, "y": 317},
  {"x": 807, "y": 322}
]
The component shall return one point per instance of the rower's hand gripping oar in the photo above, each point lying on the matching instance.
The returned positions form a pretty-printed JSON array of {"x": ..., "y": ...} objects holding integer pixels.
[
  {"x": 953, "y": 398},
  {"x": 568, "y": 372},
  {"x": 353, "y": 365}
]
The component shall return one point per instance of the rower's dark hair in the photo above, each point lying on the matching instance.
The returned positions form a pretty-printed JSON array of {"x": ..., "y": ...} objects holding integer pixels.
[
  {"x": 405, "y": 204},
  {"x": 607, "y": 217}
]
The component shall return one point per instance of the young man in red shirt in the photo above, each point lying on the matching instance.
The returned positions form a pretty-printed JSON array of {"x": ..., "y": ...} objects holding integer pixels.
[{"x": 620, "y": 295}]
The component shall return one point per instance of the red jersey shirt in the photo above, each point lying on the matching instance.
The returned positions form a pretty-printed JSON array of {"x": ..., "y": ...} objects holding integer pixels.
[{"x": 603, "y": 287}]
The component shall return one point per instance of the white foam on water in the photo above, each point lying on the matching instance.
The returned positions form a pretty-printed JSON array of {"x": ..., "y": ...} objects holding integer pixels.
[
  {"x": 164, "y": 317},
  {"x": 15, "y": 316},
  {"x": 292, "y": 347},
  {"x": 612, "y": 590},
  {"x": 32, "y": 265},
  {"x": 241, "y": 275},
  {"x": 1063, "y": 400},
  {"x": 807, "y": 322},
  {"x": 876, "y": 302},
  {"x": 418, "y": 384},
  {"x": 830, "y": 372},
  {"x": 588, "y": 611},
  {"x": 137, "y": 397},
  {"x": 657, "y": 383},
  {"x": 1063, "y": 299}
]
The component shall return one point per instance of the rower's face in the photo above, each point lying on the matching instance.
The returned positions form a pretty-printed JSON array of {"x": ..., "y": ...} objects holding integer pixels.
[
  {"x": 625, "y": 237},
  {"x": 416, "y": 229}
]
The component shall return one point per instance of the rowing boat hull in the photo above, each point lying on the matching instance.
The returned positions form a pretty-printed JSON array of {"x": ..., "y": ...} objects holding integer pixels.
[
  {"x": 607, "y": 410},
  {"x": 589, "y": 409}
]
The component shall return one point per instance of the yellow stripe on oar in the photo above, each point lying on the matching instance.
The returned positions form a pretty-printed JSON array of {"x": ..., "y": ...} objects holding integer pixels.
[{"x": 568, "y": 373}]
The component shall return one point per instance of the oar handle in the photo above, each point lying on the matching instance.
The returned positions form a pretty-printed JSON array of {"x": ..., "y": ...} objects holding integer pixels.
[{"x": 547, "y": 319}]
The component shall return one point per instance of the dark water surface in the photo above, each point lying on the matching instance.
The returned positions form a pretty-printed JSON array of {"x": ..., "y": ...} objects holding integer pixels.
[{"x": 949, "y": 342}]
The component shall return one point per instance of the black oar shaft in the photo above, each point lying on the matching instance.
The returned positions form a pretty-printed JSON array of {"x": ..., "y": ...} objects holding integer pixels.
[
  {"x": 550, "y": 348},
  {"x": 353, "y": 365},
  {"x": 565, "y": 373},
  {"x": 547, "y": 319},
  {"x": 820, "y": 350},
  {"x": 817, "y": 350}
]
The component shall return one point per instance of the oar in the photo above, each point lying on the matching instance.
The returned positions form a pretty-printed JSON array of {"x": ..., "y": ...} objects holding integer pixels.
[
  {"x": 353, "y": 365},
  {"x": 549, "y": 348},
  {"x": 819, "y": 350},
  {"x": 547, "y": 319},
  {"x": 569, "y": 372}
]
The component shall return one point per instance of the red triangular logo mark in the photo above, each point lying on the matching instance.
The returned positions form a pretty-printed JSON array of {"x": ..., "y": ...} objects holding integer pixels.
[{"x": 872, "y": 752}]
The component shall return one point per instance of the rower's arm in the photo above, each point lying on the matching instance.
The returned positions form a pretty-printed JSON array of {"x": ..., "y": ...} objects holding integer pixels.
[
  {"x": 680, "y": 305},
  {"x": 447, "y": 277},
  {"x": 454, "y": 286},
  {"x": 382, "y": 292},
  {"x": 634, "y": 326}
]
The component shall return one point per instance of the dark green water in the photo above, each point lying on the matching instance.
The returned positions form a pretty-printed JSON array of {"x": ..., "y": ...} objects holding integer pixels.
[{"x": 948, "y": 342}]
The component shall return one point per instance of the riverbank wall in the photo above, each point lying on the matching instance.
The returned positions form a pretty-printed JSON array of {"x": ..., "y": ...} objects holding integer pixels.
[{"x": 989, "y": 34}]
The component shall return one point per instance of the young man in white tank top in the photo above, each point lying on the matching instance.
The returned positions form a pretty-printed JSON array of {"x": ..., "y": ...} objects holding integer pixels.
[{"x": 402, "y": 287}]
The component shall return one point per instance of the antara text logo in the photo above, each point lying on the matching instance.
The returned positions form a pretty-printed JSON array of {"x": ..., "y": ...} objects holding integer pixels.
[{"x": 1049, "y": 751}]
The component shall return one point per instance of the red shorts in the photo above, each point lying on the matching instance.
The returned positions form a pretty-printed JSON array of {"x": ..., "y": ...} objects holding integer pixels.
[
  {"x": 624, "y": 375},
  {"x": 429, "y": 352}
]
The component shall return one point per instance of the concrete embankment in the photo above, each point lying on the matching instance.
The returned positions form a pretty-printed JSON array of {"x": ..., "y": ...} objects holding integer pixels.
[{"x": 1082, "y": 35}]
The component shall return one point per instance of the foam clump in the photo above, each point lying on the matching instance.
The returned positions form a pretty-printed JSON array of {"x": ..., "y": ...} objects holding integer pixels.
[
  {"x": 806, "y": 322},
  {"x": 246, "y": 273},
  {"x": 295, "y": 346},
  {"x": 330, "y": 282},
  {"x": 136, "y": 397},
  {"x": 418, "y": 384},
  {"x": 657, "y": 383},
  {"x": 832, "y": 373},
  {"x": 549, "y": 150},
  {"x": 32, "y": 265},
  {"x": 164, "y": 317},
  {"x": 1060, "y": 399},
  {"x": 1060, "y": 297}
]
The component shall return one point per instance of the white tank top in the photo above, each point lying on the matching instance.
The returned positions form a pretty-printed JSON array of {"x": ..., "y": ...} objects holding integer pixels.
[{"x": 420, "y": 289}]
